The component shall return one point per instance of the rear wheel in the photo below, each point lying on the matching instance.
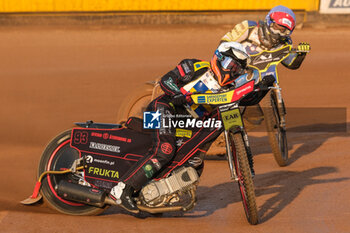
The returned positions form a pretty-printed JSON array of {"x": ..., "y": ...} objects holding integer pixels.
[
  {"x": 245, "y": 180},
  {"x": 276, "y": 133},
  {"x": 59, "y": 156},
  {"x": 137, "y": 102}
]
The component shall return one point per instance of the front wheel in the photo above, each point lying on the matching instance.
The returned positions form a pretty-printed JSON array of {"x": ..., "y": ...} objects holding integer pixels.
[
  {"x": 276, "y": 133},
  {"x": 59, "y": 156},
  {"x": 244, "y": 175}
]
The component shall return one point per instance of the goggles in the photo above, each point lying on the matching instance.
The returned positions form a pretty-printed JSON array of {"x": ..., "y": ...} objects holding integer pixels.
[
  {"x": 228, "y": 63},
  {"x": 279, "y": 30}
]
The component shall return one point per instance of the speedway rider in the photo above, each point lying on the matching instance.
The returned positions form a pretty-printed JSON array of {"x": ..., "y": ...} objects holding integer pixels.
[
  {"x": 272, "y": 33},
  {"x": 228, "y": 62}
]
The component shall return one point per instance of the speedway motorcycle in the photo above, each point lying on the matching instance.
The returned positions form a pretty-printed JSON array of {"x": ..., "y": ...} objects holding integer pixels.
[
  {"x": 272, "y": 107},
  {"x": 79, "y": 167}
]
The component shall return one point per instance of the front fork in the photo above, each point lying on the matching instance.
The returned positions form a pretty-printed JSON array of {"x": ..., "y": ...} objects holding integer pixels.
[
  {"x": 280, "y": 105},
  {"x": 230, "y": 158},
  {"x": 230, "y": 155}
]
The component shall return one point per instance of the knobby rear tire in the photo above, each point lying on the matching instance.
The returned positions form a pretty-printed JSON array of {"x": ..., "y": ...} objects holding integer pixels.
[
  {"x": 58, "y": 156},
  {"x": 245, "y": 180},
  {"x": 136, "y": 103}
]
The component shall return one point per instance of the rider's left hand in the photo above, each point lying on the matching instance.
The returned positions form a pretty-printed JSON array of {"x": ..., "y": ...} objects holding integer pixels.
[
  {"x": 304, "y": 47},
  {"x": 179, "y": 99},
  {"x": 267, "y": 82}
]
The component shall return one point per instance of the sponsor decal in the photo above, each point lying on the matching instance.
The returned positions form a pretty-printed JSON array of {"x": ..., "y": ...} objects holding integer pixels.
[
  {"x": 151, "y": 120},
  {"x": 201, "y": 100},
  {"x": 148, "y": 170},
  {"x": 104, "y": 184},
  {"x": 110, "y": 136},
  {"x": 170, "y": 83},
  {"x": 287, "y": 21},
  {"x": 217, "y": 98},
  {"x": 243, "y": 90},
  {"x": 104, "y": 147},
  {"x": 103, "y": 172},
  {"x": 199, "y": 65},
  {"x": 241, "y": 80},
  {"x": 251, "y": 49},
  {"x": 339, "y": 4},
  {"x": 156, "y": 163},
  {"x": 117, "y": 138},
  {"x": 186, "y": 68},
  {"x": 95, "y": 134},
  {"x": 90, "y": 159},
  {"x": 180, "y": 142},
  {"x": 231, "y": 118},
  {"x": 335, "y": 6},
  {"x": 262, "y": 59},
  {"x": 95, "y": 190},
  {"x": 166, "y": 148},
  {"x": 183, "y": 133},
  {"x": 265, "y": 58}
]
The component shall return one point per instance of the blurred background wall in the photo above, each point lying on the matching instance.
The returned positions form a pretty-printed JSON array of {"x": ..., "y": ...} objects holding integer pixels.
[{"x": 13, "y": 6}]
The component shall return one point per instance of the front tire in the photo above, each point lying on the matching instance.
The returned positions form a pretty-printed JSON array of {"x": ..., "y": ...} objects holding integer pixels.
[
  {"x": 245, "y": 180},
  {"x": 59, "y": 156},
  {"x": 277, "y": 135}
]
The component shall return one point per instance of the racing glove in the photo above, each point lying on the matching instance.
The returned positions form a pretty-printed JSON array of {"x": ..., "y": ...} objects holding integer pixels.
[
  {"x": 179, "y": 99},
  {"x": 304, "y": 47}
]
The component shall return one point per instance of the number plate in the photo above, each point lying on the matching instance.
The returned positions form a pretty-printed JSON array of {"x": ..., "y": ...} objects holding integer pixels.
[{"x": 231, "y": 118}]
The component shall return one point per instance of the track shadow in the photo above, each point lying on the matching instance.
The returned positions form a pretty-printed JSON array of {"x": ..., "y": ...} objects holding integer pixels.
[
  {"x": 285, "y": 186},
  {"x": 311, "y": 137}
]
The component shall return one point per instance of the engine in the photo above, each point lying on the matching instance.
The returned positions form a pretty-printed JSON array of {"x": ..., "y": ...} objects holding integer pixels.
[{"x": 165, "y": 190}]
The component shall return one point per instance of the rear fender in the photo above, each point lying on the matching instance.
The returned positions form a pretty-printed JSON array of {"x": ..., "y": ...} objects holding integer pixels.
[{"x": 91, "y": 124}]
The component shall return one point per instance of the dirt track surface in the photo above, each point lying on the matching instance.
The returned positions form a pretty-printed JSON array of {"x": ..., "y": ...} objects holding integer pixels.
[{"x": 52, "y": 77}]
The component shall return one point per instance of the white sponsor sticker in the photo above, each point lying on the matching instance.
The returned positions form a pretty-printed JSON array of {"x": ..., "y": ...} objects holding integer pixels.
[
  {"x": 105, "y": 147},
  {"x": 287, "y": 21}
]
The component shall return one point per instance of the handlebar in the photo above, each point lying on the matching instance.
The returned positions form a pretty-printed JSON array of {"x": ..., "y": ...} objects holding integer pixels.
[{"x": 298, "y": 51}]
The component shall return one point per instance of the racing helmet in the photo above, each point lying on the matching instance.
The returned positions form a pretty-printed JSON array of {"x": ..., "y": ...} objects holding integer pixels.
[
  {"x": 278, "y": 26},
  {"x": 229, "y": 61}
]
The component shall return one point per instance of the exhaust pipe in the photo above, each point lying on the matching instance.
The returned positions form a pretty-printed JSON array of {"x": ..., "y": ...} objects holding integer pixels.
[
  {"x": 82, "y": 194},
  {"x": 99, "y": 198}
]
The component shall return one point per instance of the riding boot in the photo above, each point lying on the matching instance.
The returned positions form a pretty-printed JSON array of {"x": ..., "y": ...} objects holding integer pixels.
[{"x": 122, "y": 194}]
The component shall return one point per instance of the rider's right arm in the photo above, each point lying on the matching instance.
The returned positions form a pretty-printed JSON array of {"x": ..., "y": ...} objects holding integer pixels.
[
  {"x": 176, "y": 78},
  {"x": 294, "y": 60},
  {"x": 240, "y": 32}
]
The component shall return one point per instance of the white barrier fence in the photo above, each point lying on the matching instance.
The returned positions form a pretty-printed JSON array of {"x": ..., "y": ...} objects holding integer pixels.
[{"x": 335, "y": 7}]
